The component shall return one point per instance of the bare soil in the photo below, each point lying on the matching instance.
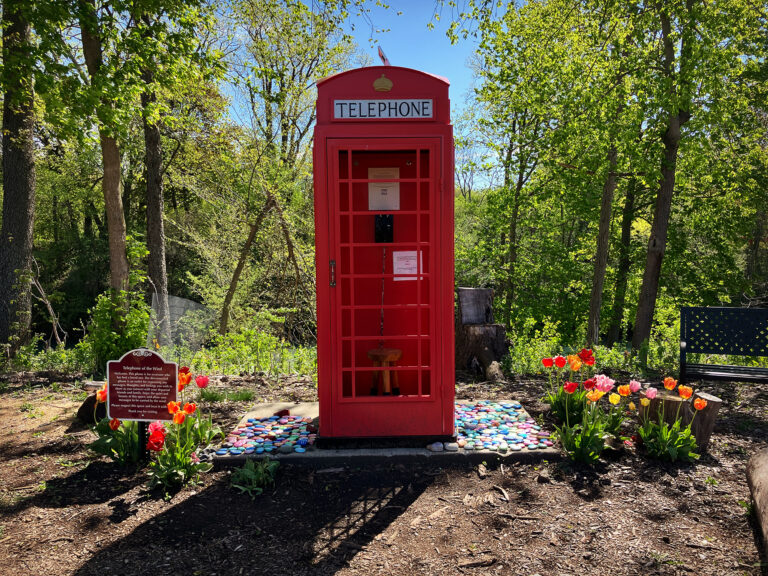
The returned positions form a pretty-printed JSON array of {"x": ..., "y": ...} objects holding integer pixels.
[{"x": 65, "y": 511}]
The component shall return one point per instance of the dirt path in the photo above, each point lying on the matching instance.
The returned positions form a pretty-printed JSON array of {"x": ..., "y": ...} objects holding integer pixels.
[{"x": 64, "y": 511}]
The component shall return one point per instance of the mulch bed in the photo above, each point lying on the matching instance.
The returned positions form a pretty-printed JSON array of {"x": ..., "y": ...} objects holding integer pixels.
[{"x": 65, "y": 511}]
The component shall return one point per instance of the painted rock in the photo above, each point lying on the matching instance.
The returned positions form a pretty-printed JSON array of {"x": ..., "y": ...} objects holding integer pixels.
[
  {"x": 451, "y": 446},
  {"x": 435, "y": 447}
]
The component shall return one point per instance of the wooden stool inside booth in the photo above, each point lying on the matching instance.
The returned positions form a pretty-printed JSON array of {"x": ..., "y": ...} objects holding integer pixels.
[{"x": 384, "y": 358}]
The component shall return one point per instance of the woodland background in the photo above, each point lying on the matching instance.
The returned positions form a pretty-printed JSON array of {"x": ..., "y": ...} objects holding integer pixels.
[{"x": 612, "y": 166}]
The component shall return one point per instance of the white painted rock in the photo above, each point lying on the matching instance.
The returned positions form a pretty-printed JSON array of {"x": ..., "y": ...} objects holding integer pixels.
[
  {"x": 435, "y": 447},
  {"x": 451, "y": 447}
]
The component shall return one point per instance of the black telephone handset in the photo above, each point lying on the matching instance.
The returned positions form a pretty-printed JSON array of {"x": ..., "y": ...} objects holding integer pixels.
[{"x": 384, "y": 228}]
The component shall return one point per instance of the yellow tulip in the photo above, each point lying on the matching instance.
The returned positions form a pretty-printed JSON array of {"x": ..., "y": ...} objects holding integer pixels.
[
  {"x": 645, "y": 402},
  {"x": 614, "y": 398}
]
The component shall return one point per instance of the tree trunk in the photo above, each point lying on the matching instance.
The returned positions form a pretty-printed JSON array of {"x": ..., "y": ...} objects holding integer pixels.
[
  {"x": 509, "y": 293},
  {"x": 254, "y": 229},
  {"x": 110, "y": 154},
  {"x": 753, "y": 254},
  {"x": 601, "y": 253},
  {"x": 657, "y": 242},
  {"x": 622, "y": 276},
  {"x": 16, "y": 233},
  {"x": 155, "y": 227}
]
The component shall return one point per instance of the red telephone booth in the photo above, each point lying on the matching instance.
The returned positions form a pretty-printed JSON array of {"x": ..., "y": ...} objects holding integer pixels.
[{"x": 383, "y": 174}]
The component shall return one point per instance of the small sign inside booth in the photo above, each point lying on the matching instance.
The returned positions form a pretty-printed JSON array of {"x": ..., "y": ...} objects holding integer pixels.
[{"x": 141, "y": 384}]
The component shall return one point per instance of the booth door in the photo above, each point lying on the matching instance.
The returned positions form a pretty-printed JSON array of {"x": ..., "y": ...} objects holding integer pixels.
[{"x": 384, "y": 214}]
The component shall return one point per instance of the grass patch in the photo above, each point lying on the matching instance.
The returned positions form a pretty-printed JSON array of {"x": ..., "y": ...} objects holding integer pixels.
[
  {"x": 27, "y": 407},
  {"x": 241, "y": 395},
  {"x": 210, "y": 395}
]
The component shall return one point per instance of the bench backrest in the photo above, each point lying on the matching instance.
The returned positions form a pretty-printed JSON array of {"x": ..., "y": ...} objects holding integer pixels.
[{"x": 735, "y": 331}]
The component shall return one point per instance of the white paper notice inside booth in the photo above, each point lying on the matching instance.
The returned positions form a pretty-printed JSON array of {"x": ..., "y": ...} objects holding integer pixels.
[
  {"x": 383, "y": 195},
  {"x": 405, "y": 263}
]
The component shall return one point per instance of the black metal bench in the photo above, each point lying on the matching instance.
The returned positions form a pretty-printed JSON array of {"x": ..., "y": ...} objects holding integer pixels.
[{"x": 732, "y": 331}]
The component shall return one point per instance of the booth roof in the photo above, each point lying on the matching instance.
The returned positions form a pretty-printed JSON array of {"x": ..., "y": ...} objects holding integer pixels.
[{"x": 383, "y": 69}]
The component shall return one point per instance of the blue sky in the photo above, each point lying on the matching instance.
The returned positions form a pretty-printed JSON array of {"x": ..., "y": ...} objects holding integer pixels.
[{"x": 409, "y": 43}]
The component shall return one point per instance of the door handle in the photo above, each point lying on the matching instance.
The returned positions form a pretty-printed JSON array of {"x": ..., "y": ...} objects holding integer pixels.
[{"x": 333, "y": 272}]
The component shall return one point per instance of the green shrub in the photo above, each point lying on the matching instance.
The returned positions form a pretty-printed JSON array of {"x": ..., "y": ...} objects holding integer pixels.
[
  {"x": 566, "y": 407},
  {"x": 667, "y": 442},
  {"x": 118, "y": 324},
  {"x": 248, "y": 351},
  {"x": 254, "y": 478},
  {"x": 584, "y": 442},
  {"x": 121, "y": 445}
]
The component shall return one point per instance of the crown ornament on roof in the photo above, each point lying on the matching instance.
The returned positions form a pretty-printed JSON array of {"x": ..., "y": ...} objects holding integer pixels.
[{"x": 382, "y": 84}]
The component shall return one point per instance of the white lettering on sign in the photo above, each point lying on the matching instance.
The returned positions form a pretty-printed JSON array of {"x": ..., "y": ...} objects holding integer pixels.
[{"x": 393, "y": 109}]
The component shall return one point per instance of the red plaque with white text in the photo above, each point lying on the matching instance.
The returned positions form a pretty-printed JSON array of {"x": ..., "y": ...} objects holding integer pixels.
[{"x": 140, "y": 385}]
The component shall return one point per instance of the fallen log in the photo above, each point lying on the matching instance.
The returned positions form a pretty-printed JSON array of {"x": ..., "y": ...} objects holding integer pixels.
[{"x": 757, "y": 478}]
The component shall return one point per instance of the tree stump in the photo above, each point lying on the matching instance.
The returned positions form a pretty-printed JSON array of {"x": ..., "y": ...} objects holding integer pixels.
[
  {"x": 670, "y": 406},
  {"x": 664, "y": 408},
  {"x": 704, "y": 423},
  {"x": 91, "y": 412},
  {"x": 479, "y": 342}
]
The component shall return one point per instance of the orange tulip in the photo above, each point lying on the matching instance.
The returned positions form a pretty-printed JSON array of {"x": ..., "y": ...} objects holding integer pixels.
[
  {"x": 699, "y": 403},
  {"x": 178, "y": 417},
  {"x": 190, "y": 408},
  {"x": 624, "y": 390},
  {"x": 184, "y": 379},
  {"x": 101, "y": 395},
  {"x": 574, "y": 363},
  {"x": 670, "y": 383},
  {"x": 173, "y": 407},
  {"x": 684, "y": 391},
  {"x": 114, "y": 424},
  {"x": 594, "y": 395}
]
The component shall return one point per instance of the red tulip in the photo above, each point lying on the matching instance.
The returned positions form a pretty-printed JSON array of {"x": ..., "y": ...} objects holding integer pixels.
[
  {"x": 201, "y": 381},
  {"x": 190, "y": 408},
  {"x": 114, "y": 424},
  {"x": 589, "y": 383},
  {"x": 547, "y": 362},
  {"x": 559, "y": 361},
  {"x": 570, "y": 387},
  {"x": 156, "y": 441}
]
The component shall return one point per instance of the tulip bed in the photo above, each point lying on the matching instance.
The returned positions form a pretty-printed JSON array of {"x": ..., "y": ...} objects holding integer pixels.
[
  {"x": 585, "y": 424},
  {"x": 64, "y": 510}
]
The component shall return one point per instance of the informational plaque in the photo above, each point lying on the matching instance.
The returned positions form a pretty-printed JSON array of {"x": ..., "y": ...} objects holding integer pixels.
[
  {"x": 383, "y": 195},
  {"x": 140, "y": 385},
  {"x": 405, "y": 263}
]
